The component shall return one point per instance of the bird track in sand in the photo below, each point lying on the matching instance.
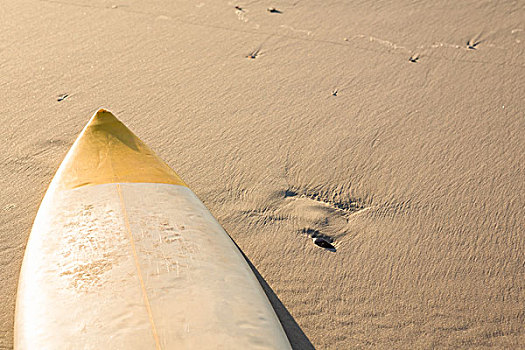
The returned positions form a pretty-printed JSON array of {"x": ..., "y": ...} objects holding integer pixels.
[{"x": 308, "y": 36}]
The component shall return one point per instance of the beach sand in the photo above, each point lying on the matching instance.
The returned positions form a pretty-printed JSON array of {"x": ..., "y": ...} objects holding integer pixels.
[{"x": 396, "y": 130}]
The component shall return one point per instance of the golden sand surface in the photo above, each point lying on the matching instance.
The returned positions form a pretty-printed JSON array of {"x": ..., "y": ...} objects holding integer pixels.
[{"x": 396, "y": 130}]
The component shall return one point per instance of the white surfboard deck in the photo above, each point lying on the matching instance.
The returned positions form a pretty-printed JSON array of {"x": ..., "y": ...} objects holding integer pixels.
[{"x": 136, "y": 265}]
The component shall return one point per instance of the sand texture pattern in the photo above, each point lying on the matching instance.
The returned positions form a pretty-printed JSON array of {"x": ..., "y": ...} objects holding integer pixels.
[{"x": 393, "y": 130}]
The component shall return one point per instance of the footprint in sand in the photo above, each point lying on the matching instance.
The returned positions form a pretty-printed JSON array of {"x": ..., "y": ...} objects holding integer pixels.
[
  {"x": 254, "y": 54},
  {"x": 62, "y": 97},
  {"x": 414, "y": 58},
  {"x": 241, "y": 14},
  {"x": 323, "y": 217},
  {"x": 473, "y": 43},
  {"x": 273, "y": 10}
]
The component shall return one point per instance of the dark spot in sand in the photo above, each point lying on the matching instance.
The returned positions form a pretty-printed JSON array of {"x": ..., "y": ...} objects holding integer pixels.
[
  {"x": 320, "y": 239},
  {"x": 472, "y": 44},
  {"x": 254, "y": 54},
  {"x": 290, "y": 193},
  {"x": 323, "y": 243}
]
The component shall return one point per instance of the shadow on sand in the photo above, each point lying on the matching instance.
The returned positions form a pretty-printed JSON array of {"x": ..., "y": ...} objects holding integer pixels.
[{"x": 295, "y": 334}]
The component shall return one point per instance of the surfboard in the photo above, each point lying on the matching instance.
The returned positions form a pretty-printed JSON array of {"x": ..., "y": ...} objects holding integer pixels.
[{"x": 123, "y": 255}]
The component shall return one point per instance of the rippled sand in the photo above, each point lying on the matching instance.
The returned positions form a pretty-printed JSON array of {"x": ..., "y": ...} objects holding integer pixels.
[{"x": 395, "y": 132}]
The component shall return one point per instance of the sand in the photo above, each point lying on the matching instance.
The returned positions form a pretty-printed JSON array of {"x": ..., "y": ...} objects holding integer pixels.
[{"x": 394, "y": 130}]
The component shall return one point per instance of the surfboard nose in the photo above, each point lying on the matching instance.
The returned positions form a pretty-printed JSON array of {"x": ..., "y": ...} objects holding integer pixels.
[
  {"x": 106, "y": 151},
  {"x": 102, "y": 116}
]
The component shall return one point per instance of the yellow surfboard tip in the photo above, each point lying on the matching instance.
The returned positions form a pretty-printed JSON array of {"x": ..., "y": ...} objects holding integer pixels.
[
  {"x": 106, "y": 151},
  {"x": 102, "y": 115}
]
